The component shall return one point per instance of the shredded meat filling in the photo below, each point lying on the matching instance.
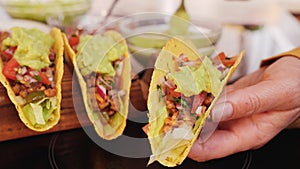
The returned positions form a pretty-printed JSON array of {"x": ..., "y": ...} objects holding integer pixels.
[
  {"x": 179, "y": 108},
  {"x": 182, "y": 109},
  {"x": 104, "y": 92}
]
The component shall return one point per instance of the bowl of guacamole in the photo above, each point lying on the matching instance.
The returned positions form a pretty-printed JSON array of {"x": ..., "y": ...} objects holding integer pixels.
[{"x": 147, "y": 33}]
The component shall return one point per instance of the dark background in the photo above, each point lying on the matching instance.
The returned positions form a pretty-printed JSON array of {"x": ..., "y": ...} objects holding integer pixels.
[{"x": 73, "y": 149}]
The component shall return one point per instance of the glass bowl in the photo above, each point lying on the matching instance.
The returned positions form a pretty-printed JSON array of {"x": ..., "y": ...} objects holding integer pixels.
[
  {"x": 147, "y": 33},
  {"x": 41, "y": 9}
]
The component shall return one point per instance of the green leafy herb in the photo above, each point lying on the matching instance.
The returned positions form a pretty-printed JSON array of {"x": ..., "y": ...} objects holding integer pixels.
[
  {"x": 177, "y": 100},
  {"x": 113, "y": 84},
  {"x": 158, "y": 87},
  {"x": 160, "y": 94},
  {"x": 183, "y": 103},
  {"x": 38, "y": 78}
]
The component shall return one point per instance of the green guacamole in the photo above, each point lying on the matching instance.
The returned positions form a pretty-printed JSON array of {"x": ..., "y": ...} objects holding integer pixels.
[
  {"x": 33, "y": 47},
  {"x": 96, "y": 54}
]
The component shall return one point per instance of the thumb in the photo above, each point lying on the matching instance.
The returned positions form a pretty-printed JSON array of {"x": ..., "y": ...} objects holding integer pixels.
[{"x": 260, "y": 97}]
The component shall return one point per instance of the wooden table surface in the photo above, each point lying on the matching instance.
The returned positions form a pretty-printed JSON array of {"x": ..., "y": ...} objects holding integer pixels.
[{"x": 11, "y": 127}]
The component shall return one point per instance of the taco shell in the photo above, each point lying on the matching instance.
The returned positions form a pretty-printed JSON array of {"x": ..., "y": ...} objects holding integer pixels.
[
  {"x": 116, "y": 128},
  {"x": 166, "y": 149},
  {"x": 59, "y": 69}
]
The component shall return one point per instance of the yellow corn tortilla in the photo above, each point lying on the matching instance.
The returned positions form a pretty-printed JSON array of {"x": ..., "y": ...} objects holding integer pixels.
[
  {"x": 120, "y": 121},
  {"x": 59, "y": 70},
  {"x": 175, "y": 155}
]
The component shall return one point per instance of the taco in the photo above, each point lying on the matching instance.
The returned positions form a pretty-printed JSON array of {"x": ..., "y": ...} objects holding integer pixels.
[
  {"x": 102, "y": 66},
  {"x": 31, "y": 65},
  {"x": 183, "y": 89}
]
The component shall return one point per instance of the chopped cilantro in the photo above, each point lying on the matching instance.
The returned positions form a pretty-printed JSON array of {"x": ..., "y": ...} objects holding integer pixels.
[
  {"x": 177, "y": 100},
  {"x": 38, "y": 78}
]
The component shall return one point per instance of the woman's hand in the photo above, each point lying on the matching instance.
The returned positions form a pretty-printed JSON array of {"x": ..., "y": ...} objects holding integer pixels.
[{"x": 256, "y": 108}]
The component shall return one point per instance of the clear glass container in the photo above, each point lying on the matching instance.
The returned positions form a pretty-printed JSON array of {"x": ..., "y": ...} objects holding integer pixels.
[
  {"x": 146, "y": 34},
  {"x": 41, "y": 9}
]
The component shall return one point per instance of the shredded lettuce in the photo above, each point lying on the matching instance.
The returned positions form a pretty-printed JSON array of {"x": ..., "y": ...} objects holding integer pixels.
[
  {"x": 39, "y": 113},
  {"x": 193, "y": 80},
  {"x": 185, "y": 80},
  {"x": 211, "y": 75},
  {"x": 172, "y": 144},
  {"x": 165, "y": 62}
]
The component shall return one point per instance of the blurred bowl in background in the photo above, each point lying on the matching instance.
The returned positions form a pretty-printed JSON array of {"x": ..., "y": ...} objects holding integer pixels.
[
  {"x": 87, "y": 23},
  {"x": 41, "y": 9},
  {"x": 147, "y": 33}
]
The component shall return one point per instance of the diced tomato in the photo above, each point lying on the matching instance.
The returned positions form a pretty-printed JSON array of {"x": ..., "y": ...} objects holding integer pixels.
[
  {"x": 44, "y": 78},
  {"x": 227, "y": 62},
  {"x": 222, "y": 56},
  {"x": 9, "y": 69},
  {"x": 198, "y": 100},
  {"x": 52, "y": 55},
  {"x": 73, "y": 40},
  {"x": 8, "y": 53},
  {"x": 174, "y": 93},
  {"x": 146, "y": 129}
]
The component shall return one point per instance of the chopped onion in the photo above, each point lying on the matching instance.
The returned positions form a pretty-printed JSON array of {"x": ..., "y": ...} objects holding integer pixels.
[
  {"x": 32, "y": 80},
  {"x": 225, "y": 72},
  {"x": 112, "y": 93},
  {"x": 103, "y": 81},
  {"x": 120, "y": 69},
  {"x": 161, "y": 81},
  {"x": 199, "y": 110},
  {"x": 101, "y": 91},
  {"x": 23, "y": 70},
  {"x": 20, "y": 100},
  {"x": 53, "y": 84},
  {"x": 29, "y": 79},
  {"x": 170, "y": 84},
  {"x": 19, "y": 77},
  {"x": 179, "y": 106},
  {"x": 34, "y": 73},
  {"x": 221, "y": 67}
]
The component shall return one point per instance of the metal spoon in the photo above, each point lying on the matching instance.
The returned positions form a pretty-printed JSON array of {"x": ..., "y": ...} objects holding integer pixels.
[{"x": 111, "y": 8}]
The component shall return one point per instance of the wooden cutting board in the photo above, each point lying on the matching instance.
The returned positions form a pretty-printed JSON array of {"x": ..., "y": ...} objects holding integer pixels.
[{"x": 11, "y": 126}]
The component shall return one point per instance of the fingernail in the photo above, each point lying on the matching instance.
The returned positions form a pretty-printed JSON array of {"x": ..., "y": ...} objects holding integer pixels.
[{"x": 221, "y": 111}]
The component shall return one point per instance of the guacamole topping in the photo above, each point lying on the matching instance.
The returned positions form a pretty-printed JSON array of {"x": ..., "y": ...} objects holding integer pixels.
[
  {"x": 96, "y": 54},
  {"x": 33, "y": 47}
]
